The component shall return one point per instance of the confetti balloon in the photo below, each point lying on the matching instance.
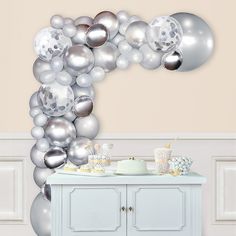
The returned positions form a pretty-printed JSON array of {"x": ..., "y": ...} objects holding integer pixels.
[{"x": 83, "y": 106}]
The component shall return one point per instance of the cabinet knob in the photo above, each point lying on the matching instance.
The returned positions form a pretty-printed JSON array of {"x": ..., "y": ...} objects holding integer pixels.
[
  {"x": 123, "y": 208},
  {"x": 131, "y": 209}
]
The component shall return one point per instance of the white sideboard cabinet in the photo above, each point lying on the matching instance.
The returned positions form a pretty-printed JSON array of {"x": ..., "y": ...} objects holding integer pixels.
[{"x": 126, "y": 205}]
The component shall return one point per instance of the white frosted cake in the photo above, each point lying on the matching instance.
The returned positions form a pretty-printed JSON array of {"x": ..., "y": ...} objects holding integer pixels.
[{"x": 131, "y": 167}]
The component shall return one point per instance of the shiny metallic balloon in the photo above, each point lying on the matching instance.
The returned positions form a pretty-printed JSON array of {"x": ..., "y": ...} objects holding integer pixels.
[
  {"x": 37, "y": 157},
  {"x": 34, "y": 100},
  {"x": 41, "y": 174},
  {"x": 79, "y": 150},
  {"x": 83, "y": 20},
  {"x": 109, "y": 20},
  {"x": 79, "y": 91},
  {"x": 96, "y": 35},
  {"x": 55, "y": 99},
  {"x": 151, "y": 59},
  {"x": 46, "y": 191},
  {"x": 197, "y": 44},
  {"x": 60, "y": 132},
  {"x": 40, "y": 215},
  {"x": 106, "y": 56},
  {"x": 55, "y": 157},
  {"x": 83, "y": 106},
  {"x": 39, "y": 67},
  {"x": 79, "y": 58},
  {"x": 136, "y": 33},
  {"x": 172, "y": 61},
  {"x": 87, "y": 126},
  {"x": 80, "y": 36},
  {"x": 97, "y": 74}
]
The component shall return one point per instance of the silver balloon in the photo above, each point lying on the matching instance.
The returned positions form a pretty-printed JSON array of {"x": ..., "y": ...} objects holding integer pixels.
[
  {"x": 96, "y": 35},
  {"x": 135, "y": 56},
  {"x": 79, "y": 91},
  {"x": 87, "y": 126},
  {"x": 122, "y": 16},
  {"x": 68, "y": 20},
  {"x": 39, "y": 67},
  {"x": 106, "y": 56},
  {"x": 46, "y": 191},
  {"x": 123, "y": 27},
  {"x": 40, "y": 215},
  {"x": 37, "y": 132},
  {"x": 34, "y": 100},
  {"x": 124, "y": 47},
  {"x": 57, "y": 64},
  {"x": 69, "y": 30},
  {"x": 97, "y": 74},
  {"x": 64, "y": 78},
  {"x": 83, "y": 20},
  {"x": 136, "y": 33},
  {"x": 57, "y": 22},
  {"x": 41, "y": 174},
  {"x": 172, "y": 61},
  {"x": 79, "y": 150},
  {"x": 80, "y": 36},
  {"x": 55, "y": 99},
  {"x": 122, "y": 62},
  {"x": 37, "y": 157},
  {"x": 134, "y": 18},
  {"x": 151, "y": 59},
  {"x": 70, "y": 116},
  {"x": 55, "y": 157},
  {"x": 50, "y": 42},
  {"x": 40, "y": 119},
  {"x": 79, "y": 58},
  {"x": 109, "y": 20},
  {"x": 197, "y": 44},
  {"x": 118, "y": 39},
  {"x": 60, "y": 132},
  {"x": 164, "y": 34},
  {"x": 83, "y": 106},
  {"x": 42, "y": 145},
  {"x": 34, "y": 111},
  {"x": 47, "y": 77},
  {"x": 84, "y": 80}
]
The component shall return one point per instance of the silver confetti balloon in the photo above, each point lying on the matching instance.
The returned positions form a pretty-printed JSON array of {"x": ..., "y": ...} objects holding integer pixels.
[
  {"x": 55, "y": 99},
  {"x": 83, "y": 20},
  {"x": 106, "y": 56},
  {"x": 136, "y": 33},
  {"x": 87, "y": 126},
  {"x": 79, "y": 58},
  {"x": 109, "y": 20},
  {"x": 164, "y": 34},
  {"x": 172, "y": 61},
  {"x": 79, "y": 150},
  {"x": 50, "y": 42},
  {"x": 41, "y": 174},
  {"x": 96, "y": 35},
  {"x": 60, "y": 132},
  {"x": 80, "y": 36},
  {"x": 79, "y": 91},
  {"x": 55, "y": 157},
  {"x": 197, "y": 44},
  {"x": 46, "y": 191},
  {"x": 83, "y": 106},
  {"x": 37, "y": 157},
  {"x": 39, "y": 67}
]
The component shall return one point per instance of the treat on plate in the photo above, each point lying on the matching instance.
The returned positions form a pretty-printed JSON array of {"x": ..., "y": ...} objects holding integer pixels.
[
  {"x": 180, "y": 165},
  {"x": 70, "y": 167},
  {"x": 98, "y": 169},
  {"x": 85, "y": 168}
]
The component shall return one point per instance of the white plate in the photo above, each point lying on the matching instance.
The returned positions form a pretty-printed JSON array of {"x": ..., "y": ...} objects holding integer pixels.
[
  {"x": 84, "y": 173},
  {"x": 137, "y": 174}
]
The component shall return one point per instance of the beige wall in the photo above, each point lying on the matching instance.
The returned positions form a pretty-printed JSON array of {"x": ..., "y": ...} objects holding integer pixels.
[{"x": 135, "y": 100}]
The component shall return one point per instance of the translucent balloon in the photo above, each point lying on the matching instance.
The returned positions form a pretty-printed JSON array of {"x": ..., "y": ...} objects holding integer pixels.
[
  {"x": 35, "y": 111},
  {"x": 47, "y": 77},
  {"x": 122, "y": 16},
  {"x": 135, "y": 56},
  {"x": 34, "y": 100},
  {"x": 124, "y": 47},
  {"x": 118, "y": 39}
]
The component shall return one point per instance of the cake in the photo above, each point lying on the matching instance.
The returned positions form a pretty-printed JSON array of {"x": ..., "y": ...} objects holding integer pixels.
[
  {"x": 84, "y": 168},
  {"x": 131, "y": 166},
  {"x": 70, "y": 167}
]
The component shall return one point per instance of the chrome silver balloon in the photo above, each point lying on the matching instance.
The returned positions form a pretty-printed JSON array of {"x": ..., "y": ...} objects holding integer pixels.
[
  {"x": 46, "y": 191},
  {"x": 172, "y": 61},
  {"x": 69, "y": 30},
  {"x": 97, "y": 74},
  {"x": 40, "y": 175},
  {"x": 37, "y": 132},
  {"x": 83, "y": 20},
  {"x": 84, "y": 80},
  {"x": 37, "y": 157},
  {"x": 197, "y": 44},
  {"x": 96, "y": 35},
  {"x": 64, "y": 78},
  {"x": 57, "y": 22},
  {"x": 55, "y": 157},
  {"x": 80, "y": 36},
  {"x": 39, "y": 67},
  {"x": 83, "y": 106},
  {"x": 60, "y": 132},
  {"x": 79, "y": 91}
]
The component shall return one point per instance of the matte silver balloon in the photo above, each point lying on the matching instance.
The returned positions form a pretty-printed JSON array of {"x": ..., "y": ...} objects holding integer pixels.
[
  {"x": 40, "y": 215},
  {"x": 57, "y": 22},
  {"x": 172, "y": 61},
  {"x": 57, "y": 64},
  {"x": 80, "y": 36},
  {"x": 122, "y": 16},
  {"x": 39, "y": 67},
  {"x": 122, "y": 62},
  {"x": 68, "y": 20},
  {"x": 96, "y": 35},
  {"x": 83, "y": 106},
  {"x": 79, "y": 150},
  {"x": 197, "y": 44},
  {"x": 64, "y": 78},
  {"x": 40, "y": 119},
  {"x": 42, "y": 145},
  {"x": 46, "y": 191},
  {"x": 118, "y": 38},
  {"x": 135, "y": 56},
  {"x": 34, "y": 111},
  {"x": 151, "y": 59},
  {"x": 37, "y": 157},
  {"x": 55, "y": 157},
  {"x": 83, "y": 20},
  {"x": 69, "y": 30},
  {"x": 60, "y": 132},
  {"x": 106, "y": 56},
  {"x": 80, "y": 58},
  {"x": 84, "y": 80},
  {"x": 34, "y": 100},
  {"x": 47, "y": 77},
  {"x": 123, "y": 28},
  {"x": 97, "y": 74},
  {"x": 109, "y": 20},
  {"x": 87, "y": 126},
  {"x": 124, "y": 47},
  {"x": 136, "y": 33},
  {"x": 37, "y": 132},
  {"x": 70, "y": 116},
  {"x": 41, "y": 174},
  {"x": 79, "y": 91}
]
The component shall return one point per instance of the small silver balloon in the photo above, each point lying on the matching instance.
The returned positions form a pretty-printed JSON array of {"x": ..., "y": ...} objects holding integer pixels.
[
  {"x": 57, "y": 22},
  {"x": 46, "y": 191},
  {"x": 83, "y": 20},
  {"x": 40, "y": 119},
  {"x": 79, "y": 150},
  {"x": 70, "y": 116},
  {"x": 123, "y": 28},
  {"x": 172, "y": 61},
  {"x": 84, "y": 80},
  {"x": 96, "y": 35},
  {"x": 79, "y": 91},
  {"x": 42, "y": 144},
  {"x": 68, "y": 20},
  {"x": 37, "y": 132},
  {"x": 34, "y": 111},
  {"x": 57, "y": 64},
  {"x": 124, "y": 47},
  {"x": 122, "y": 16},
  {"x": 118, "y": 39},
  {"x": 69, "y": 30},
  {"x": 41, "y": 174},
  {"x": 55, "y": 157},
  {"x": 64, "y": 78},
  {"x": 80, "y": 36},
  {"x": 135, "y": 56},
  {"x": 39, "y": 67},
  {"x": 97, "y": 74},
  {"x": 106, "y": 56},
  {"x": 60, "y": 132},
  {"x": 34, "y": 100},
  {"x": 136, "y": 33},
  {"x": 122, "y": 62},
  {"x": 37, "y": 157},
  {"x": 83, "y": 106},
  {"x": 134, "y": 18},
  {"x": 109, "y": 20},
  {"x": 47, "y": 77},
  {"x": 87, "y": 126}
]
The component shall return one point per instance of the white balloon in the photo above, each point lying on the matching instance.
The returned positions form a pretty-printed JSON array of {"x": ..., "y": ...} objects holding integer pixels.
[
  {"x": 97, "y": 74},
  {"x": 47, "y": 77},
  {"x": 35, "y": 111},
  {"x": 37, "y": 132},
  {"x": 64, "y": 78},
  {"x": 40, "y": 120},
  {"x": 57, "y": 22},
  {"x": 122, "y": 16},
  {"x": 122, "y": 62},
  {"x": 135, "y": 56},
  {"x": 84, "y": 80},
  {"x": 34, "y": 100},
  {"x": 42, "y": 145},
  {"x": 69, "y": 30},
  {"x": 124, "y": 47},
  {"x": 57, "y": 64}
]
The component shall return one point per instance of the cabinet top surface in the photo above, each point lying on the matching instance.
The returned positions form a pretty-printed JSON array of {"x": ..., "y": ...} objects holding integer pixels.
[{"x": 66, "y": 179}]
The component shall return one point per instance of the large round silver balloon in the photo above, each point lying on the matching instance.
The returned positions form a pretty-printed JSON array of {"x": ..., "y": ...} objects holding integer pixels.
[
  {"x": 164, "y": 34},
  {"x": 87, "y": 126},
  {"x": 83, "y": 20},
  {"x": 55, "y": 157},
  {"x": 46, "y": 191},
  {"x": 39, "y": 67},
  {"x": 151, "y": 59},
  {"x": 37, "y": 157},
  {"x": 83, "y": 106},
  {"x": 79, "y": 150},
  {"x": 40, "y": 215},
  {"x": 173, "y": 60},
  {"x": 80, "y": 36},
  {"x": 56, "y": 99},
  {"x": 50, "y": 42},
  {"x": 60, "y": 132},
  {"x": 197, "y": 44},
  {"x": 96, "y": 35},
  {"x": 79, "y": 58},
  {"x": 41, "y": 174},
  {"x": 79, "y": 91},
  {"x": 109, "y": 20},
  {"x": 106, "y": 56},
  {"x": 136, "y": 33}
]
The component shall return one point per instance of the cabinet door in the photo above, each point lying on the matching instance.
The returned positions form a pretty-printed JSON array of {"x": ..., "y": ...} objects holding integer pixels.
[
  {"x": 94, "y": 210},
  {"x": 159, "y": 211}
]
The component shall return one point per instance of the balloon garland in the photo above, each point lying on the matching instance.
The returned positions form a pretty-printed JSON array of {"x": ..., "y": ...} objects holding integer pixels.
[{"x": 74, "y": 54}]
